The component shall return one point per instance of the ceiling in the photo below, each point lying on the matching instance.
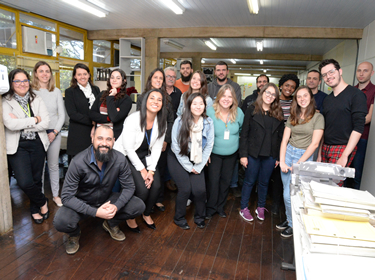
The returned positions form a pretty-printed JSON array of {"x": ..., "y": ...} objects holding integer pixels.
[{"x": 218, "y": 13}]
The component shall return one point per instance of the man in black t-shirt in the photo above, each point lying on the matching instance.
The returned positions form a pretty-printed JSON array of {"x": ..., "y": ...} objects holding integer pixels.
[{"x": 344, "y": 112}]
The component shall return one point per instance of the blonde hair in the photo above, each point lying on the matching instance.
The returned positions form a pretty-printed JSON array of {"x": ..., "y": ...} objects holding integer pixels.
[
  {"x": 35, "y": 82},
  {"x": 233, "y": 107}
]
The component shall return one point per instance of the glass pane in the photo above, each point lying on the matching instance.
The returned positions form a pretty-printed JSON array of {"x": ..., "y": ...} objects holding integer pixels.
[
  {"x": 135, "y": 64},
  {"x": 8, "y": 61},
  {"x": 34, "y": 21},
  {"x": 72, "y": 43},
  {"x": 102, "y": 51},
  {"x": 65, "y": 77},
  {"x": 7, "y": 30}
]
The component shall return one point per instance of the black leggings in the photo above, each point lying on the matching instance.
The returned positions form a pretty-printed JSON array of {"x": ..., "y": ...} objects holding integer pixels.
[
  {"x": 149, "y": 196},
  {"x": 187, "y": 184}
]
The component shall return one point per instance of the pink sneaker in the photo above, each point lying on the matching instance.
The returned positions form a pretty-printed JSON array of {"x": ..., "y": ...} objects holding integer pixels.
[
  {"x": 245, "y": 213},
  {"x": 260, "y": 213}
]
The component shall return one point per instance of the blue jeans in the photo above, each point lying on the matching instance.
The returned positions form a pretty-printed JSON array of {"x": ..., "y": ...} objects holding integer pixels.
[
  {"x": 257, "y": 169},
  {"x": 292, "y": 156},
  {"x": 358, "y": 162}
]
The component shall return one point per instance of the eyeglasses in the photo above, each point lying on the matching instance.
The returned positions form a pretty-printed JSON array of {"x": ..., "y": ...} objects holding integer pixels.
[
  {"x": 269, "y": 94},
  {"x": 18, "y": 82},
  {"x": 329, "y": 73},
  {"x": 170, "y": 77}
]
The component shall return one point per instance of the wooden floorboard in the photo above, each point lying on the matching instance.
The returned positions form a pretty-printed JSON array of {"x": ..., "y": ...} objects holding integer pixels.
[{"x": 227, "y": 248}]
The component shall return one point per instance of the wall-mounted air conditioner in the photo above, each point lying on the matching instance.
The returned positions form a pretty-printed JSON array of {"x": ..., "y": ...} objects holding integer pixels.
[{"x": 36, "y": 41}]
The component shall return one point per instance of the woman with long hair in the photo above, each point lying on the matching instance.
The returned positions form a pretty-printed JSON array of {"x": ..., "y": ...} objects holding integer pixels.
[
  {"x": 156, "y": 80},
  {"x": 228, "y": 119},
  {"x": 79, "y": 98},
  {"x": 302, "y": 135},
  {"x": 113, "y": 105},
  {"x": 141, "y": 142},
  {"x": 262, "y": 131},
  {"x": 26, "y": 120},
  {"x": 198, "y": 83},
  {"x": 43, "y": 85},
  {"x": 192, "y": 142}
]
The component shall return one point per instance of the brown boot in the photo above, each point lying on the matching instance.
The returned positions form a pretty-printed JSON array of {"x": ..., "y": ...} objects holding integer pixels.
[
  {"x": 115, "y": 232},
  {"x": 72, "y": 245}
]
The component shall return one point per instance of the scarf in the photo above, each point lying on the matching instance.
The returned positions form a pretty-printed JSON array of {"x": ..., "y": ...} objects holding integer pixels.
[
  {"x": 24, "y": 102},
  {"x": 88, "y": 93},
  {"x": 196, "y": 141}
]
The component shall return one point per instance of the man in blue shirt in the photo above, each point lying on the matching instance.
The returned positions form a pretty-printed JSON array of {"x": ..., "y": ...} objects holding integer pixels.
[{"x": 313, "y": 81}]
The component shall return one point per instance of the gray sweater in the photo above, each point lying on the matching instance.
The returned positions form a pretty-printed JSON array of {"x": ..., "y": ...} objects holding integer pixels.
[
  {"x": 55, "y": 106},
  {"x": 213, "y": 89}
]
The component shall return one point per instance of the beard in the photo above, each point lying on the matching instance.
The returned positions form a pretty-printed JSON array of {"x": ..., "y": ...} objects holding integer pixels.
[
  {"x": 103, "y": 156},
  {"x": 221, "y": 80},
  {"x": 186, "y": 79}
]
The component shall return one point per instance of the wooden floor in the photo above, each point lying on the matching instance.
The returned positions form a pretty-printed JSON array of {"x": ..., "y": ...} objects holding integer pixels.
[{"x": 228, "y": 248}]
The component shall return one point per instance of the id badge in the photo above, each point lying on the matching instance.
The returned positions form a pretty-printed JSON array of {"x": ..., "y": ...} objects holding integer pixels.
[
  {"x": 148, "y": 160},
  {"x": 226, "y": 135}
]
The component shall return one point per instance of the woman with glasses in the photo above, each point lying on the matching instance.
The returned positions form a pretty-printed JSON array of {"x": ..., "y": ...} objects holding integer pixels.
[
  {"x": 26, "y": 121},
  {"x": 43, "y": 85},
  {"x": 79, "y": 98},
  {"x": 302, "y": 135},
  {"x": 113, "y": 105},
  {"x": 260, "y": 140}
]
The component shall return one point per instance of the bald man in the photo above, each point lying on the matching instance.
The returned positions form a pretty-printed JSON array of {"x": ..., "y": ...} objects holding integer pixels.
[{"x": 364, "y": 73}]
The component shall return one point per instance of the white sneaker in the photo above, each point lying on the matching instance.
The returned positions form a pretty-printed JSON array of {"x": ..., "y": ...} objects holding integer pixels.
[{"x": 188, "y": 203}]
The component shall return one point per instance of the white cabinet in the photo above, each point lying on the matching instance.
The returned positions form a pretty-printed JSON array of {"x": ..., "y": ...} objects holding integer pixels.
[{"x": 132, "y": 61}]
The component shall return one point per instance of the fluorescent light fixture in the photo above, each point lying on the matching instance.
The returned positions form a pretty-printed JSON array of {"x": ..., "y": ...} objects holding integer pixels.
[
  {"x": 215, "y": 41},
  {"x": 253, "y": 6},
  {"x": 173, "y": 44},
  {"x": 210, "y": 45},
  {"x": 261, "y": 62},
  {"x": 242, "y": 74},
  {"x": 268, "y": 75},
  {"x": 98, "y": 3},
  {"x": 87, "y": 8},
  {"x": 203, "y": 61},
  {"x": 175, "y": 6},
  {"x": 98, "y": 55},
  {"x": 265, "y": 71},
  {"x": 233, "y": 61},
  {"x": 260, "y": 46}
]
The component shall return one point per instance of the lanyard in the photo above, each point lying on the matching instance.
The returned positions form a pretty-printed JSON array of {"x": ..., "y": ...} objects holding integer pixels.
[
  {"x": 226, "y": 123},
  {"x": 149, "y": 140},
  {"x": 27, "y": 113}
]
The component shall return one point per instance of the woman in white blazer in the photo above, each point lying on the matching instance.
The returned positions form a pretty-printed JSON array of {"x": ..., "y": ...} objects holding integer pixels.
[
  {"x": 141, "y": 141},
  {"x": 26, "y": 121}
]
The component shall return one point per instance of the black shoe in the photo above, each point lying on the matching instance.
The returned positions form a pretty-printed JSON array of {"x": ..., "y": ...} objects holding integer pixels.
[
  {"x": 236, "y": 192},
  {"x": 222, "y": 214},
  {"x": 201, "y": 224},
  {"x": 136, "y": 229},
  {"x": 45, "y": 215},
  {"x": 160, "y": 208},
  {"x": 283, "y": 225},
  {"x": 275, "y": 210},
  {"x": 151, "y": 226},
  {"x": 183, "y": 226},
  {"x": 288, "y": 232},
  {"x": 37, "y": 221},
  {"x": 208, "y": 217}
]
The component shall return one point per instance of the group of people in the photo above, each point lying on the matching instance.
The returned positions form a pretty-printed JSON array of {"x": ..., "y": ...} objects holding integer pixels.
[{"x": 193, "y": 132}]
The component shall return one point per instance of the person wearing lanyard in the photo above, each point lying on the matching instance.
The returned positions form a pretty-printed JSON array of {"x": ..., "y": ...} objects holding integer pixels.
[
  {"x": 26, "y": 120},
  {"x": 228, "y": 119},
  {"x": 141, "y": 141}
]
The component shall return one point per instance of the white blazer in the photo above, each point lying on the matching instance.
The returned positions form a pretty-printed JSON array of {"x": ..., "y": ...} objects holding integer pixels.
[
  {"x": 132, "y": 137},
  {"x": 13, "y": 127}
]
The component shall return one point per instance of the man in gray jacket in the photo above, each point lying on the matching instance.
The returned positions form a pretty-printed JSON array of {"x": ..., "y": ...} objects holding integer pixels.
[
  {"x": 221, "y": 72},
  {"x": 87, "y": 190}
]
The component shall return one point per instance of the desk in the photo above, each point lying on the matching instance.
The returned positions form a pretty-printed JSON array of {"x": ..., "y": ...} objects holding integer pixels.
[{"x": 325, "y": 266}]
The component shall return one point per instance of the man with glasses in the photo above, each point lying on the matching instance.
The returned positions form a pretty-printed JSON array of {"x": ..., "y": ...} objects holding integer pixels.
[
  {"x": 174, "y": 92},
  {"x": 344, "y": 112}
]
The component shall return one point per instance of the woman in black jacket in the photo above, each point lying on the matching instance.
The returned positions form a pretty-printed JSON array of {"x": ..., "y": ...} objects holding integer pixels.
[
  {"x": 79, "y": 98},
  {"x": 113, "y": 105},
  {"x": 262, "y": 132}
]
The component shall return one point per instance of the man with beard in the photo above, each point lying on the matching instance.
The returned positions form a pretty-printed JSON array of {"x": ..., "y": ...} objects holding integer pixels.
[
  {"x": 261, "y": 81},
  {"x": 313, "y": 80},
  {"x": 186, "y": 71},
  {"x": 87, "y": 190},
  {"x": 221, "y": 72},
  {"x": 344, "y": 113},
  {"x": 364, "y": 72}
]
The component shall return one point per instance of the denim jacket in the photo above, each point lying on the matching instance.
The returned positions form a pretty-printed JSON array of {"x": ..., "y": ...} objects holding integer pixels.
[{"x": 207, "y": 145}]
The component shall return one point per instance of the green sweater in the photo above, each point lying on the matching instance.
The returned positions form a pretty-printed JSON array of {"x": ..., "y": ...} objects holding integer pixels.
[{"x": 226, "y": 147}]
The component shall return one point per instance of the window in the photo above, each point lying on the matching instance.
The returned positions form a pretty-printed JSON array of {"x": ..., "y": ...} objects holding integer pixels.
[
  {"x": 8, "y": 61},
  {"x": 72, "y": 43},
  {"x": 7, "y": 30},
  {"x": 65, "y": 78},
  {"x": 102, "y": 51},
  {"x": 34, "y": 21}
]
